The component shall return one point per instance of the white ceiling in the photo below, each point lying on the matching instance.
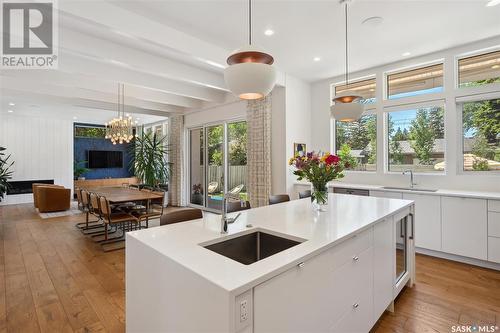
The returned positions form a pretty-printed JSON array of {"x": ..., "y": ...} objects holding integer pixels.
[
  {"x": 170, "y": 54},
  {"x": 306, "y": 29}
]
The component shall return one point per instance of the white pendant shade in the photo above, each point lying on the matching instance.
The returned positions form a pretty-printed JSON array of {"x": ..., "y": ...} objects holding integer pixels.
[
  {"x": 346, "y": 111},
  {"x": 250, "y": 74}
]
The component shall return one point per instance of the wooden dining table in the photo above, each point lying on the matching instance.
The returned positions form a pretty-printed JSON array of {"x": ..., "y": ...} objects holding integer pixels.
[{"x": 119, "y": 194}]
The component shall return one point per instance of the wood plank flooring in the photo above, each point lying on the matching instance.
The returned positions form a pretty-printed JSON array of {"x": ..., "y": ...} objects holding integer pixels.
[{"x": 54, "y": 279}]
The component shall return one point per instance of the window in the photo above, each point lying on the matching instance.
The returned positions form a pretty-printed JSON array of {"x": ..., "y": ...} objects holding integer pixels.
[
  {"x": 479, "y": 70},
  {"x": 416, "y": 140},
  {"x": 481, "y": 135},
  {"x": 356, "y": 142},
  {"x": 415, "y": 82},
  {"x": 90, "y": 132},
  {"x": 365, "y": 88}
]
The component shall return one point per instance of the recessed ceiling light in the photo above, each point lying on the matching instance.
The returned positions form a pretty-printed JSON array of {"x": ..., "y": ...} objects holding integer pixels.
[
  {"x": 75, "y": 118},
  {"x": 269, "y": 32},
  {"x": 492, "y": 3},
  {"x": 11, "y": 104},
  {"x": 373, "y": 21},
  {"x": 406, "y": 54},
  {"x": 316, "y": 58},
  {"x": 495, "y": 66},
  {"x": 10, "y": 111}
]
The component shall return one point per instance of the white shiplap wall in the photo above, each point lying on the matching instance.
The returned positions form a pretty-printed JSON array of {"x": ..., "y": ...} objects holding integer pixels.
[{"x": 41, "y": 147}]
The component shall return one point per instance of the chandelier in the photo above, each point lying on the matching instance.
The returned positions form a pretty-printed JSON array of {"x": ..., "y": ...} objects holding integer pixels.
[{"x": 120, "y": 129}]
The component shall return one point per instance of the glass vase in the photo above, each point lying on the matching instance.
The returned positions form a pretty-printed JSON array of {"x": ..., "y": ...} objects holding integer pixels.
[{"x": 319, "y": 197}]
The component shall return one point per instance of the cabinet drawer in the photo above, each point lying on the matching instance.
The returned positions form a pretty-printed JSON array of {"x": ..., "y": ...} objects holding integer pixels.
[
  {"x": 494, "y": 205},
  {"x": 345, "y": 251},
  {"x": 494, "y": 249},
  {"x": 494, "y": 224}
]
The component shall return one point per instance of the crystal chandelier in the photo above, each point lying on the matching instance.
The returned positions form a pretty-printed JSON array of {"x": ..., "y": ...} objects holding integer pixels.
[{"x": 120, "y": 129}]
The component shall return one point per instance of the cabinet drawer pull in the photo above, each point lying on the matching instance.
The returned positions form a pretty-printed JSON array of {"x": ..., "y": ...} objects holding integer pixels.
[
  {"x": 355, "y": 258},
  {"x": 301, "y": 264},
  {"x": 355, "y": 305}
]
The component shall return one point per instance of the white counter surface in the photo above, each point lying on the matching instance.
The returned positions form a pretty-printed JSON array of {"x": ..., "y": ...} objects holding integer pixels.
[
  {"x": 346, "y": 216},
  {"x": 439, "y": 192}
]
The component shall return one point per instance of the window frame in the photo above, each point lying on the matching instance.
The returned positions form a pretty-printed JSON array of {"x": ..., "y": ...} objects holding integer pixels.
[
  {"x": 456, "y": 73},
  {"x": 368, "y": 106},
  {"x": 459, "y": 134},
  {"x": 400, "y": 100},
  {"x": 405, "y": 107}
]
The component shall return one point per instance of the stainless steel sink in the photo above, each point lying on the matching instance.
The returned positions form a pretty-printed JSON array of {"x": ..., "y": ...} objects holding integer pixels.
[
  {"x": 250, "y": 248},
  {"x": 409, "y": 189}
]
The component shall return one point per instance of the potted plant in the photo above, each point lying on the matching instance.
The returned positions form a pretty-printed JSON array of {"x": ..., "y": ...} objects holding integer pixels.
[
  {"x": 197, "y": 196},
  {"x": 319, "y": 169},
  {"x": 5, "y": 172},
  {"x": 149, "y": 160},
  {"x": 79, "y": 170}
]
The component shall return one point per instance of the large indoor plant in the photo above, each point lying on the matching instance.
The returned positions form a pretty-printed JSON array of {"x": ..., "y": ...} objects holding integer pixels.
[
  {"x": 5, "y": 172},
  {"x": 79, "y": 170},
  {"x": 319, "y": 169},
  {"x": 149, "y": 159}
]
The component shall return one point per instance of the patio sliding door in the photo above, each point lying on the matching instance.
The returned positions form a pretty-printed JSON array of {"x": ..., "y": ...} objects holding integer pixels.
[{"x": 222, "y": 172}]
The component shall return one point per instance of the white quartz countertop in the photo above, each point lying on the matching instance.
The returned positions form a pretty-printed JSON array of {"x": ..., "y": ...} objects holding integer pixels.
[
  {"x": 346, "y": 215},
  {"x": 439, "y": 192}
]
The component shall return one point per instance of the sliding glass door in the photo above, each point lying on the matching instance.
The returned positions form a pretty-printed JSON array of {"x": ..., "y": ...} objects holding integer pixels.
[{"x": 209, "y": 181}]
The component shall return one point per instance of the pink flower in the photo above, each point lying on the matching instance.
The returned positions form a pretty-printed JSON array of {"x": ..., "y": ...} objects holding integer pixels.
[{"x": 332, "y": 159}]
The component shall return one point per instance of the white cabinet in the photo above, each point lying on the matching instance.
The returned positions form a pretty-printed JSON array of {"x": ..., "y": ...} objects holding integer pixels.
[
  {"x": 386, "y": 194},
  {"x": 494, "y": 249},
  {"x": 316, "y": 295},
  {"x": 427, "y": 220},
  {"x": 464, "y": 227},
  {"x": 383, "y": 266}
]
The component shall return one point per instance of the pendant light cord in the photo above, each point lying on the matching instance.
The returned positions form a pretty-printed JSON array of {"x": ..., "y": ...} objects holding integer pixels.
[
  {"x": 346, "y": 52},
  {"x": 250, "y": 22}
]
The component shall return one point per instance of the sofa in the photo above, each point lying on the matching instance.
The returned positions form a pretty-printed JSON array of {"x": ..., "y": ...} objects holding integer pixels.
[{"x": 51, "y": 198}]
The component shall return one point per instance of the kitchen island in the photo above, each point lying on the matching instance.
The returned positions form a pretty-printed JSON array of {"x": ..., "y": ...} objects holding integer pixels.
[{"x": 318, "y": 271}]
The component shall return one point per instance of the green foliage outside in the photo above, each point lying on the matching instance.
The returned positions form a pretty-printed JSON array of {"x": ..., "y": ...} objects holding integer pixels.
[
  {"x": 422, "y": 136},
  {"x": 358, "y": 135},
  {"x": 237, "y": 137},
  {"x": 149, "y": 162},
  {"x": 349, "y": 161},
  {"x": 5, "y": 172}
]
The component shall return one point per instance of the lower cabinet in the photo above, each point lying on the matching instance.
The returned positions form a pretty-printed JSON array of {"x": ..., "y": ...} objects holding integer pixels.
[
  {"x": 427, "y": 220},
  {"x": 465, "y": 227},
  {"x": 344, "y": 289}
]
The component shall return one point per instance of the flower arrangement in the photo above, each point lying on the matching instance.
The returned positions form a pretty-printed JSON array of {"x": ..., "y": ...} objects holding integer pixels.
[{"x": 319, "y": 169}]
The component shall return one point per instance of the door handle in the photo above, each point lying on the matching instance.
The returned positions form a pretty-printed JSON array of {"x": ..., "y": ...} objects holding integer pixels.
[{"x": 412, "y": 226}]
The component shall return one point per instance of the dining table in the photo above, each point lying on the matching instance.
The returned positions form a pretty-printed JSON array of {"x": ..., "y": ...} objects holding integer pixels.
[{"x": 120, "y": 194}]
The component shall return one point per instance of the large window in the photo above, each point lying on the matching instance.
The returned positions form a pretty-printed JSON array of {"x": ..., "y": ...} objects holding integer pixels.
[
  {"x": 481, "y": 135},
  {"x": 479, "y": 69},
  {"x": 365, "y": 88},
  {"x": 416, "y": 140},
  {"x": 414, "y": 82},
  {"x": 356, "y": 142}
]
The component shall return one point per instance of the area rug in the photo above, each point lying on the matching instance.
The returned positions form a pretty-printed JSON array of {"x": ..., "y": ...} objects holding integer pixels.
[{"x": 72, "y": 211}]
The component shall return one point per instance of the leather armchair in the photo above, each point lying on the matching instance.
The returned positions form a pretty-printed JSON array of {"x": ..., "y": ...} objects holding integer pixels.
[
  {"x": 52, "y": 198},
  {"x": 35, "y": 186}
]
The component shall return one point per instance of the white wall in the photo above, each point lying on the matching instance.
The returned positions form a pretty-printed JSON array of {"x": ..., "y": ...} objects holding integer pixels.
[
  {"x": 298, "y": 122},
  {"x": 454, "y": 178},
  {"x": 41, "y": 147}
]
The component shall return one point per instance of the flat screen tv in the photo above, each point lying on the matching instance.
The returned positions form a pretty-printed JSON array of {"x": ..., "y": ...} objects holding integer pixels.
[{"x": 105, "y": 159}]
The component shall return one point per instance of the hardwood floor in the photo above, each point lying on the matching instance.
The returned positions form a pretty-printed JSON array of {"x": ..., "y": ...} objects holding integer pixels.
[{"x": 54, "y": 279}]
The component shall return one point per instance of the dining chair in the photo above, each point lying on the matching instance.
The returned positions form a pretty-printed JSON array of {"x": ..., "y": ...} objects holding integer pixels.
[
  {"x": 236, "y": 206},
  {"x": 78, "y": 192},
  {"x": 120, "y": 220},
  {"x": 181, "y": 215},
  {"x": 305, "y": 194},
  {"x": 88, "y": 225},
  {"x": 278, "y": 198},
  {"x": 151, "y": 211}
]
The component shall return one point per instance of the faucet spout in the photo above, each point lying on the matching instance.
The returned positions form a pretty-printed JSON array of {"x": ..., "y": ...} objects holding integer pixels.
[
  {"x": 410, "y": 172},
  {"x": 224, "y": 219}
]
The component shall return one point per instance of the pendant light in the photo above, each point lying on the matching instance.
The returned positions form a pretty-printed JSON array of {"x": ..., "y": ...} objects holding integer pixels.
[
  {"x": 250, "y": 74},
  {"x": 120, "y": 129},
  {"x": 347, "y": 107}
]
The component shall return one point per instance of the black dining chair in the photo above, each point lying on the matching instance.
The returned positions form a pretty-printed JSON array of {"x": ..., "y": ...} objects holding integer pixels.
[
  {"x": 278, "y": 198},
  {"x": 305, "y": 194}
]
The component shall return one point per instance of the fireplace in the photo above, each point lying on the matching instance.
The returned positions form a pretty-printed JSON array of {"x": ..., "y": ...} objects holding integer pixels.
[{"x": 24, "y": 186}]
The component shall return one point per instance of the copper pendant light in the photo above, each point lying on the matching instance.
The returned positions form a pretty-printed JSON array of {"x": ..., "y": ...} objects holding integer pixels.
[
  {"x": 346, "y": 107},
  {"x": 250, "y": 74}
]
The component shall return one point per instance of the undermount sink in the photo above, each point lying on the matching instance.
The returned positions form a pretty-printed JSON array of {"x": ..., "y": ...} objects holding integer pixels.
[
  {"x": 250, "y": 248},
  {"x": 408, "y": 189}
]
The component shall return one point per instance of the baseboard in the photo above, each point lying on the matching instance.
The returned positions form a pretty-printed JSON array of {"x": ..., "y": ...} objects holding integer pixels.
[{"x": 454, "y": 257}]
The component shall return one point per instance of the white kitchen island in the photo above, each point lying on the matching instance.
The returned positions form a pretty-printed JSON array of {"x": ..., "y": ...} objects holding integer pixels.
[{"x": 340, "y": 276}]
